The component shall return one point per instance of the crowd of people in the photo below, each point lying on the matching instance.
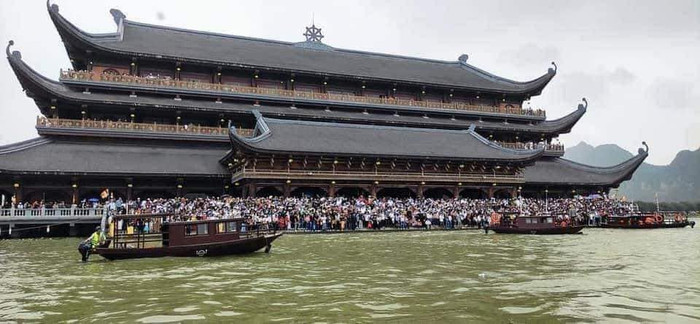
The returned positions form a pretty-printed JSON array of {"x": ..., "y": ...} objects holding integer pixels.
[{"x": 340, "y": 213}]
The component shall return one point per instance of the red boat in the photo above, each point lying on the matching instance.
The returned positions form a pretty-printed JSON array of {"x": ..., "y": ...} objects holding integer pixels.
[
  {"x": 543, "y": 224},
  {"x": 152, "y": 236},
  {"x": 646, "y": 220}
]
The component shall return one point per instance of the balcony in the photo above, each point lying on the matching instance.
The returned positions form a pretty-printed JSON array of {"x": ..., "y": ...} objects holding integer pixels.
[
  {"x": 125, "y": 126},
  {"x": 52, "y": 212},
  {"x": 88, "y": 76},
  {"x": 249, "y": 173},
  {"x": 554, "y": 148}
]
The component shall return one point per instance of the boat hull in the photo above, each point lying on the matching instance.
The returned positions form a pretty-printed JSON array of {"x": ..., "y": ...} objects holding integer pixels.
[
  {"x": 239, "y": 246},
  {"x": 537, "y": 231},
  {"x": 647, "y": 226}
]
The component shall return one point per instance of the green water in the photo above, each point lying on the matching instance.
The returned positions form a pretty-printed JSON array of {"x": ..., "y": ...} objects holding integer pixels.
[{"x": 459, "y": 276}]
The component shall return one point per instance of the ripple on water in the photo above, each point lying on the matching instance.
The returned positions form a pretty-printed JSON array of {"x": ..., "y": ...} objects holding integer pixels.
[
  {"x": 170, "y": 318},
  {"x": 185, "y": 309},
  {"x": 386, "y": 307},
  {"x": 227, "y": 314}
]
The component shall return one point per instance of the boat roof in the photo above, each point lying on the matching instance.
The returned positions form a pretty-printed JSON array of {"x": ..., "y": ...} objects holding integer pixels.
[{"x": 139, "y": 216}]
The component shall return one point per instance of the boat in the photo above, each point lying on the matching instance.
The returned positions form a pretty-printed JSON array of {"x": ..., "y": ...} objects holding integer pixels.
[
  {"x": 541, "y": 224},
  {"x": 639, "y": 220},
  {"x": 156, "y": 235}
]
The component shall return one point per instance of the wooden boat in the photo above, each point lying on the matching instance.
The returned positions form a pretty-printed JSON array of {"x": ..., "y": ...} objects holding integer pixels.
[
  {"x": 543, "y": 224},
  {"x": 152, "y": 236},
  {"x": 646, "y": 220}
]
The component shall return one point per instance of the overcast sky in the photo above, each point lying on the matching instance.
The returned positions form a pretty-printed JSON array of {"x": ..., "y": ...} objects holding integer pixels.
[{"x": 635, "y": 61}]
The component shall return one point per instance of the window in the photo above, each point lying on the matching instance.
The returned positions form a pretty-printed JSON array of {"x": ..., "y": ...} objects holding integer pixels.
[
  {"x": 226, "y": 227},
  {"x": 196, "y": 229},
  {"x": 231, "y": 226}
]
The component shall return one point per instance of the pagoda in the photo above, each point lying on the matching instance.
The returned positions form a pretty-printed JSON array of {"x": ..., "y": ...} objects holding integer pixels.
[{"x": 154, "y": 111}]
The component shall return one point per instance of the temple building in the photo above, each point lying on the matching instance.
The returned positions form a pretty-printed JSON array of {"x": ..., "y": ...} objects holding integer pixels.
[{"x": 154, "y": 111}]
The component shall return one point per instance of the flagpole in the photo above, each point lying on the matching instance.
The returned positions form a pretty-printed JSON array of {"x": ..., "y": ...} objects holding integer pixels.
[{"x": 657, "y": 201}]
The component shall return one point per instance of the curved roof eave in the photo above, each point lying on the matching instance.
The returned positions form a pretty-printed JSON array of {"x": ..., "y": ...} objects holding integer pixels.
[
  {"x": 262, "y": 132},
  {"x": 622, "y": 171},
  {"x": 101, "y": 42},
  {"x": 607, "y": 176},
  {"x": 566, "y": 123}
]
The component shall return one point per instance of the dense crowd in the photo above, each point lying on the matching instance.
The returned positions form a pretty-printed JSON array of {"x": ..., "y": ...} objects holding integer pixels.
[{"x": 339, "y": 213}]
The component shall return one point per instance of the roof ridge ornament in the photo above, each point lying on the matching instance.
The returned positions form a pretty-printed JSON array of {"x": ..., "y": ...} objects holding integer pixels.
[
  {"x": 463, "y": 58},
  {"x": 553, "y": 70},
  {"x": 118, "y": 15},
  {"x": 16, "y": 54},
  {"x": 51, "y": 7},
  {"x": 584, "y": 105},
  {"x": 645, "y": 150},
  {"x": 313, "y": 34}
]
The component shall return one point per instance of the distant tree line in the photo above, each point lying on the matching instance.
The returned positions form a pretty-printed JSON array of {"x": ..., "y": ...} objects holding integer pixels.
[{"x": 670, "y": 206}]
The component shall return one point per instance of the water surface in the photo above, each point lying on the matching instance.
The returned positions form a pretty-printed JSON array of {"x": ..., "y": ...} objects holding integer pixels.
[{"x": 457, "y": 276}]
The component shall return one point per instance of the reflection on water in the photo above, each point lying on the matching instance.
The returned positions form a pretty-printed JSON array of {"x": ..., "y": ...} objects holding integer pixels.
[{"x": 602, "y": 275}]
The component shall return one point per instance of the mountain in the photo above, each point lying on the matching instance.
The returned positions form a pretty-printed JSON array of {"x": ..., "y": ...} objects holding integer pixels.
[{"x": 678, "y": 181}]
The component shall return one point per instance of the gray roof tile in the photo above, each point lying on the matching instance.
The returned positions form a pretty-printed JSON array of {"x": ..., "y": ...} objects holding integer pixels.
[
  {"x": 323, "y": 138},
  {"x": 162, "y": 42},
  {"x": 52, "y": 156}
]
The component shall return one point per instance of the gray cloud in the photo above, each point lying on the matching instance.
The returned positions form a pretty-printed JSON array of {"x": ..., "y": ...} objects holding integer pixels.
[
  {"x": 622, "y": 76},
  {"x": 530, "y": 55},
  {"x": 673, "y": 94}
]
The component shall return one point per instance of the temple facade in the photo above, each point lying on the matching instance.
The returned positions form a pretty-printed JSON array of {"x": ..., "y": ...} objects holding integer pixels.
[{"x": 154, "y": 111}]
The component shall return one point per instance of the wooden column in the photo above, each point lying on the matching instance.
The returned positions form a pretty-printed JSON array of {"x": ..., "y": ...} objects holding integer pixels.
[
  {"x": 287, "y": 189},
  {"x": 76, "y": 194},
  {"x": 373, "y": 190},
  {"x": 331, "y": 190},
  {"x": 419, "y": 192},
  {"x": 491, "y": 191},
  {"x": 18, "y": 192},
  {"x": 251, "y": 190}
]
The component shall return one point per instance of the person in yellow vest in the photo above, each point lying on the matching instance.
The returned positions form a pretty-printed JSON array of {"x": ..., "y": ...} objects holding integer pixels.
[
  {"x": 97, "y": 238},
  {"x": 91, "y": 243}
]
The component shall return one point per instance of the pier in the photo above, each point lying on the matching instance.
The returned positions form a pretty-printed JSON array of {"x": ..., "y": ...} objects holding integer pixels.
[{"x": 19, "y": 223}]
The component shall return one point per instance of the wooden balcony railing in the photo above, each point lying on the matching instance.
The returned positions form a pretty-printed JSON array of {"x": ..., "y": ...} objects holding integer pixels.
[
  {"x": 136, "y": 127},
  {"x": 193, "y": 85},
  {"x": 532, "y": 146},
  {"x": 250, "y": 173}
]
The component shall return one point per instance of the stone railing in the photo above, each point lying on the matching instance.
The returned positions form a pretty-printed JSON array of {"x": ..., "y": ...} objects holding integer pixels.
[
  {"x": 52, "y": 212},
  {"x": 136, "y": 127},
  {"x": 205, "y": 86},
  {"x": 532, "y": 146}
]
